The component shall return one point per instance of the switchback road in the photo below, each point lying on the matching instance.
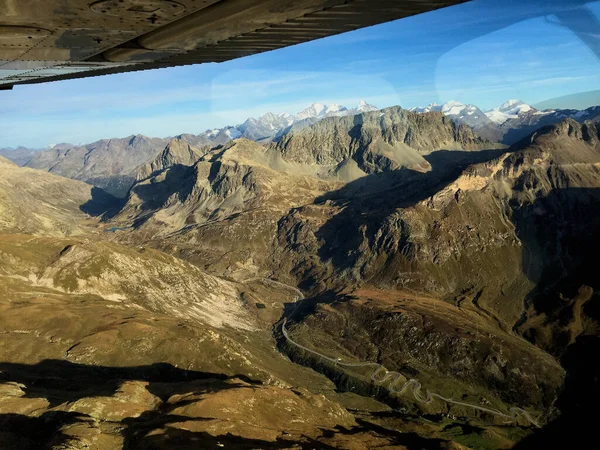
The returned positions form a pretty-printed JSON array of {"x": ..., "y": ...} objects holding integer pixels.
[{"x": 399, "y": 383}]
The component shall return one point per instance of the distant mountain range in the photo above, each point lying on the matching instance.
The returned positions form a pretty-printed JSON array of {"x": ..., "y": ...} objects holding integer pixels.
[
  {"x": 110, "y": 164},
  {"x": 509, "y": 122},
  {"x": 113, "y": 164},
  {"x": 19, "y": 155},
  {"x": 271, "y": 126}
]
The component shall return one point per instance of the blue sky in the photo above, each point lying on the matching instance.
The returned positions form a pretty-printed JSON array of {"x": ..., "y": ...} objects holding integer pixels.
[{"x": 483, "y": 52}]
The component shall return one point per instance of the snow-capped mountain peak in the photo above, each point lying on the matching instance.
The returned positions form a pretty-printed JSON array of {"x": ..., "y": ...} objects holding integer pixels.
[
  {"x": 510, "y": 109},
  {"x": 453, "y": 107},
  {"x": 212, "y": 133},
  {"x": 233, "y": 133},
  {"x": 432, "y": 107},
  {"x": 459, "y": 112},
  {"x": 363, "y": 106},
  {"x": 319, "y": 110},
  {"x": 270, "y": 124},
  {"x": 513, "y": 106}
]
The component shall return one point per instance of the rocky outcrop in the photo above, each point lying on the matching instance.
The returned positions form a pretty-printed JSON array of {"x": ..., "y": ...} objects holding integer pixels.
[
  {"x": 515, "y": 129},
  {"x": 245, "y": 181},
  {"x": 177, "y": 152},
  {"x": 334, "y": 140}
]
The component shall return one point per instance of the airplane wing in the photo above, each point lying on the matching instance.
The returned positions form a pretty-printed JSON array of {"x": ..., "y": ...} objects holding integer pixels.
[{"x": 50, "y": 40}]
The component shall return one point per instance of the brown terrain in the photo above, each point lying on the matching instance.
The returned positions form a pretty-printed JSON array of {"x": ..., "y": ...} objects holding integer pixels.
[{"x": 155, "y": 322}]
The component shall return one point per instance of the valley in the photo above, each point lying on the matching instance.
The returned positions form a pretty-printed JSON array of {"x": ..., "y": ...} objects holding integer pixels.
[{"x": 367, "y": 279}]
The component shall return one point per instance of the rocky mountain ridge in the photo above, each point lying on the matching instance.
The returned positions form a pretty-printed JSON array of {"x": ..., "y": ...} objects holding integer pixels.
[
  {"x": 509, "y": 122},
  {"x": 112, "y": 164}
]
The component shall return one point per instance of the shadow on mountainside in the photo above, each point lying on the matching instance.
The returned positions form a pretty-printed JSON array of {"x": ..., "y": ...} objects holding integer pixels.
[
  {"x": 178, "y": 438},
  {"x": 176, "y": 180},
  {"x": 20, "y": 432},
  {"x": 560, "y": 233},
  {"x": 102, "y": 204},
  {"x": 61, "y": 381},
  {"x": 576, "y": 426},
  {"x": 150, "y": 430},
  {"x": 162, "y": 426},
  {"x": 138, "y": 436},
  {"x": 369, "y": 201}
]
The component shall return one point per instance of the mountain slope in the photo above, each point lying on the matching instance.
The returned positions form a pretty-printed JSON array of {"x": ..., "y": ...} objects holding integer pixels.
[
  {"x": 525, "y": 123},
  {"x": 510, "y": 245},
  {"x": 265, "y": 127},
  {"x": 222, "y": 211},
  {"x": 33, "y": 201},
  {"x": 469, "y": 115},
  {"x": 269, "y": 126},
  {"x": 465, "y": 229},
  {"x": 509, "y": 122},
  {"x": 97, "y": 334},
  {"x": 19, "y": 155},
  {"x": 419, "y": 246}
]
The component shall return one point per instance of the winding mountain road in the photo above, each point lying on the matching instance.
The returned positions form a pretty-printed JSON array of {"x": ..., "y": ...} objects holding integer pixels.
[{"x": 399, "y": 384}]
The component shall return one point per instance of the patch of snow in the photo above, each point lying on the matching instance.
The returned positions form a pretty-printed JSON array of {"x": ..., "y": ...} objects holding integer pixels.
[
  {"x": 432, "y": 107},
  {"x": 453, "y": 108},
  {"x": 233, "y": 133},
  {"x": 510, "y": 109}
]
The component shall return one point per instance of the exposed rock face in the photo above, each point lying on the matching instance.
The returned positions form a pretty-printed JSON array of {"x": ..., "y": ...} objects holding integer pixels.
[
  {"x": 245, "y": 187},
  {"x": 177, "y": 152},
  {"x": 469, "y": 115},
  {"x": 513, "y": 239},
  {"x": 511, "y": 121},
  {"x": 226, "y": 203},
  {"x": 332, "y": 141},
  {"x": 462, "y": 227},
  {"x": 265, "y": 127},
  {"x": 109, "y": 164}
]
